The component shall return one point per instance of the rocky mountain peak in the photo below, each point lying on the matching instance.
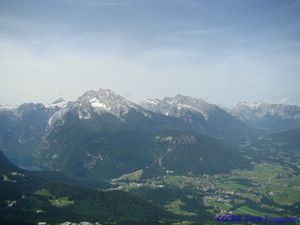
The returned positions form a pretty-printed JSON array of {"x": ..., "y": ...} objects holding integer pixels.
[
  {"x": 103, "y": 100},
  {"x": 7, "y": 107},
  {"x": 254, "y": 110},
  {"x": 175, "y": 106}
]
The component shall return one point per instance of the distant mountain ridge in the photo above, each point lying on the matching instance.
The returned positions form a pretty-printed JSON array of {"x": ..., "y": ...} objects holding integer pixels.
[
  {"x": 208, "y": 118},
  {"x": 268, "y": 118}
]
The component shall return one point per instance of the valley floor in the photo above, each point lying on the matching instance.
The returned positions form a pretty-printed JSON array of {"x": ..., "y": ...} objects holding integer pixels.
[{"x": 265, "y": 190}]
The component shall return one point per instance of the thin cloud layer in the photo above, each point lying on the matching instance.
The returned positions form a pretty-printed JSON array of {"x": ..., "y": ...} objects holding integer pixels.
[{"x": 224, "y": 52}]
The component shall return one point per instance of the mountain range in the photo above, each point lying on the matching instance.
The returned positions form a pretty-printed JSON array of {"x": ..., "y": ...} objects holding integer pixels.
[
  {"x": 103, "y": 135},
  {"x": 71, "y": 159},
  {"x": 268, "y": 118},
  {"x": 204, "y": 117}
]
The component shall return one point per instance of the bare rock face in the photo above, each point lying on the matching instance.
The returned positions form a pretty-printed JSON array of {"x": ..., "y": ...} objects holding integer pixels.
[{"x": 208, "y": 118}]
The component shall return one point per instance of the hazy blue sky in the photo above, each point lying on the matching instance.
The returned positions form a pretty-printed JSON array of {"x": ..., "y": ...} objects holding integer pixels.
[{"x": 223, "y": 51}]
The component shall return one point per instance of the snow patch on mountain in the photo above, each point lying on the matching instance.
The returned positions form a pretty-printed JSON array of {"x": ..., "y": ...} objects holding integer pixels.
[
  {"x": 251, "y": 105},
  {"x": 57, "y": 116},
  {"x": 178, "y": 106},
  {"x": 103, "y": 101},
  {"x": 58, "y": 104},
  {"x": 249, "y": 111},
  {"x": 152, "y": 101},
  {"x": 97, "y": 104},
  {"x": 7, "y": 107}
]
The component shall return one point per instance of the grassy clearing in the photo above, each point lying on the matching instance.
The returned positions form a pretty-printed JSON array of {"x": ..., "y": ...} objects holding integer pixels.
[
  {"x": 286, "y": 195},
  {"x": 174, "y": 180},
  {"x": 270, "y": 180},
  {"x": 43, "y": 192},
  {"x": 175, "y": 207},
  {"x": 220, "y": 205},
  {"x": 265, "y": 173},
  {"x": 61, "y": 202},
  {"x": 231, "y": 185},
  {"x": 57, "y": 202},
  {"x": 245, "y": 210},
  {"x": 135, "y": 176},
  {"x": 185, "y": 223}
]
